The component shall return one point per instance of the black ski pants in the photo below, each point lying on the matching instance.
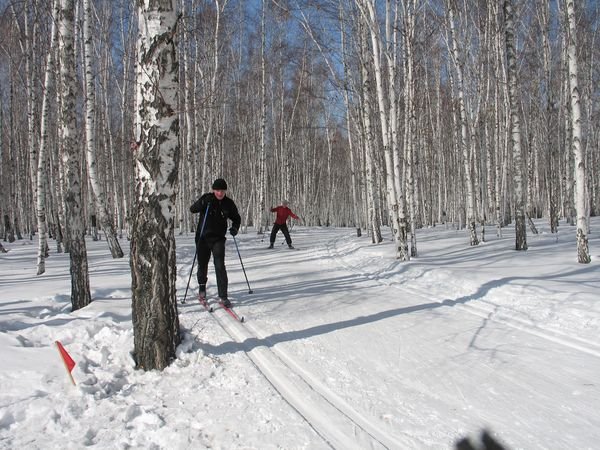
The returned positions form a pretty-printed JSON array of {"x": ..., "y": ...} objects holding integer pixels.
[
  {"x": 217, "y": 249},
  {"x": 285, "y": 231}
]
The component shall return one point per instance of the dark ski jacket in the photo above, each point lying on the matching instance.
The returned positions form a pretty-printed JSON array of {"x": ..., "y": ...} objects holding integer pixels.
[
  {"x": 283, "y": 212},
  {"x": 216, "y": 219}
]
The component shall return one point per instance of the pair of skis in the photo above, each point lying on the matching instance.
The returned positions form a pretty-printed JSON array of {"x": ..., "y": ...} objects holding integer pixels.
[{"x": 228, "y": 309}]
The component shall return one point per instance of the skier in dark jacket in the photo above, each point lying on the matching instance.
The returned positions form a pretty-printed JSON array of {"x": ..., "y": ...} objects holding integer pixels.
[
  {"x": 283, "y": 212},
  {"x": 214, "y": 208}
]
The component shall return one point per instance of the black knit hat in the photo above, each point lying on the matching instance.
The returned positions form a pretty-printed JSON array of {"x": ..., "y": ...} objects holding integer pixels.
[{"x": 219, "y": 184}]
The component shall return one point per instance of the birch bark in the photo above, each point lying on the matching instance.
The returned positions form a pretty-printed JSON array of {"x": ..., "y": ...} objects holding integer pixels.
[
  {"x": 353, "y": 171},
  {"x": 262, "y": 182},
  {"x": 395, "y": 199},
  {"x": 583, "y": 251},
  {"x": 211, "y": 109},
  {"x": 548, "y": 142},
  {"x": 368, "y": 141},
  {"x": 520, "y": 225},
  {"x": 410, "y": 131},
  {"x": 90, "y": 142},
  {"x": 42, "y": 166},
  {"x": 464, "y": 126},
  {"x": 80, "y": 286},
  {"x": 153, "y": 268}
]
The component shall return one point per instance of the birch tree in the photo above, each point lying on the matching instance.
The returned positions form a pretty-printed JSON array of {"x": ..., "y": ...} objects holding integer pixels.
[
  {"x": 211, "y": 92},
  {"x": 410, "y": 132},
  {"x": 498, "y": 126},
  {"x": 345, "y": 91},
  {"x": 520, "y": 225},
  {"x": 80, "y": 285},
  {"x": 387, "y": 114},
  {"x": 153, "y": 268},
  {"x": 42, "y": 163},
  {"x": 261, "y": 169},
  {"x": 90, "y": 142},
  {"x": 28, "y": 48},
  {"x": 189, "y": 120},
  {"x": 367, "y": 139},
  {"x": 583, "y": 252},
  {"x": 464, "y": 126},
  {"x": 547, "y": 139}
]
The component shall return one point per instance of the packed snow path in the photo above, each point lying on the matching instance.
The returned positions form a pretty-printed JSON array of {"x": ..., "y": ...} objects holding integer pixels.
[
  {"x": 372, "y": 355},
  {"x": 331, "y": 417}
]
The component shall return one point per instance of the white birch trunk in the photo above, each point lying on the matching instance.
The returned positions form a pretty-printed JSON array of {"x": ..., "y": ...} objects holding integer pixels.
[
  {"x": 390, "y": 54},
  {"x": 59, "y": 185},
  {"x": 568, "y": 173},
  {"x": 520, "y": 225},
  {"x": 498, "y": 143},
  {"x": 583, "y": 251},
  {"x": 42, "y": 167},
  {"x": 190, "y": 139},
  {"x": 372, "y": 198},
  {"x": 464, "y": 130},
  {"x": 410, "y": 121},
  {"x": 354, "y": 179},
  {"x": 30, "y": 80},
  {"x": 126, "y": 141},
  {"x": 368, "y": 139},
  {"x": 489, "y": 199},
  {"x": 550, "y": 170},
  {"x": 153, "y": 268},
  {"x": 262, "y": 182},
  {"x": 90, "y": 142},
  {"x": 367, "y": 8},
  {"x": 80, "y": 286}
]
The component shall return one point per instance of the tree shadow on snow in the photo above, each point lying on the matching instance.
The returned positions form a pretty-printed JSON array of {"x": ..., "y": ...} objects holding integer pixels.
[
  {"x": 304, "y": 289},
  {"x": 288, "y": 336}
]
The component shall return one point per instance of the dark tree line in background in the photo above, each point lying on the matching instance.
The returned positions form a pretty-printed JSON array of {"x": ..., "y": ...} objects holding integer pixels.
[{"x": 362, "y": 113}]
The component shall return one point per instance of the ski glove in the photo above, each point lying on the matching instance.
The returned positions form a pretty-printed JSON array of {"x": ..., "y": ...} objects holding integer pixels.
[{"x": 233, "y": 231}]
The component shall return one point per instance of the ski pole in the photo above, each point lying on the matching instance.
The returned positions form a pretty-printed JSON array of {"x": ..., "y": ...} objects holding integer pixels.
[
  {"x": 191, "y": 272},
  {"x": 195, "y": 254},
  {"x": 244, "y": 270}
]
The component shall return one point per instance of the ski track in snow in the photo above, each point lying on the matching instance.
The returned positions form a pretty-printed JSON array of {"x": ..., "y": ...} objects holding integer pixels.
[
  {"x": 340, "y": 425},
  {"x": 482, "y": 308}
]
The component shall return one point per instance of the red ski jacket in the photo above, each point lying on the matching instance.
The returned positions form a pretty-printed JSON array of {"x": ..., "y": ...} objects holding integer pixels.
[{"x": 283, "y": 212}]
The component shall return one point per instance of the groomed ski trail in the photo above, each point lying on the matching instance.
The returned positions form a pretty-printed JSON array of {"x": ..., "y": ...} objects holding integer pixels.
[{"x": 340, "y": 425}]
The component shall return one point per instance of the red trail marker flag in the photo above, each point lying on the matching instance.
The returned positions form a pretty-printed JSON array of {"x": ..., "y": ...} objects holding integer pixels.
[{"x": 67, "y": 360}]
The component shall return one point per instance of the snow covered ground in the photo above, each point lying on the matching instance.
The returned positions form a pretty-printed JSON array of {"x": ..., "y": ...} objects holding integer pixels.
[{"x": 342, "y": 346}]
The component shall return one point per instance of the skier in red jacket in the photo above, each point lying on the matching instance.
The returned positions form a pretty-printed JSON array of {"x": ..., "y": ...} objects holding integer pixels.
[{"x": 283, "y": 212}]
